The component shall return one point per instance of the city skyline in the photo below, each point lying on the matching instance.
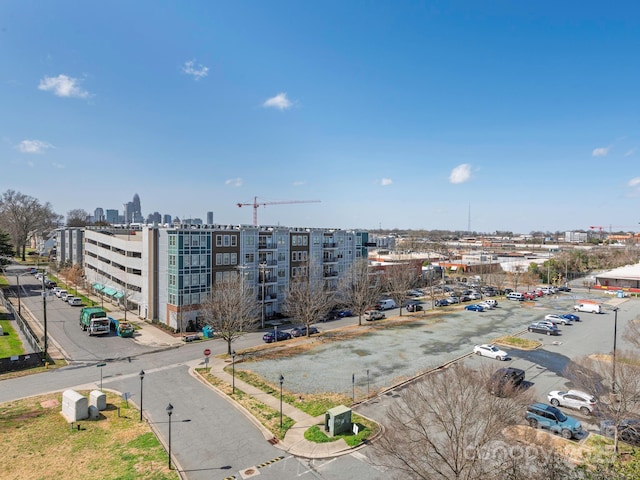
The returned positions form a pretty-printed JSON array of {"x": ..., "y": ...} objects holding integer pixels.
[{"x": 482, "y": 117}]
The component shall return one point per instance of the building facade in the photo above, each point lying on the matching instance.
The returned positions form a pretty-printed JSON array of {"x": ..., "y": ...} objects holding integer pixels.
[{"x": 165, "y": 273}]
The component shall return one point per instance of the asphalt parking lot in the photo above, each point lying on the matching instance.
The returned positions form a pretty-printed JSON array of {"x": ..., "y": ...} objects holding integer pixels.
[{"x": 386, "y": 356}]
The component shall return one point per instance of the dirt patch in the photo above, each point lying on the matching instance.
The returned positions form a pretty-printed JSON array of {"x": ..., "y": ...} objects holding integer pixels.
[{"x": 50, "y": 403}]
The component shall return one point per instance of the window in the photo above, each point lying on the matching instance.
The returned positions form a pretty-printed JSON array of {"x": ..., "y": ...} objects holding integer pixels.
[
  {"x": 234, "y": 241},
  {"x": 249, "y": 240},
  {"x": 203, "y": 240},
  {"x": 172, "y": 280},
  {"x": 187, "y": 260},
  {"x": 172, "y": 298},
  {"x": 282, "y": 257},
  {"x": 226, "y": 241},
  {"x": 282, "y": 240},
  {"x": 218, "y": 259},
  {"x": 195, "y": 298},
  {"x": 281, "y": 273},
  {"x": 203, "y": 279},
  {"x": 305, "y": 240},
  {"x": 186, "y": 280},
  {"x": 195, "y": 259},
  {"x": 294, "y": 240},
  {"x": 172, "y": 260},
  {"x": 172, "y": 240},
  {"x": 195, "y": 279},
  {"x": 225, "y": 259},
  {"x": 219, "y": 277},
  {"x": 195, "y": 241},
  {"x": 234, "y": 259},
  {"x": 203, "y": 260},
  {"x": 249, "y": 258},
  {"x": 218, "y": 240}
]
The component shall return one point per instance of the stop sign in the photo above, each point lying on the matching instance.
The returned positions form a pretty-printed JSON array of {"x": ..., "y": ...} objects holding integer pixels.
[{"x": 207, "y": 352}]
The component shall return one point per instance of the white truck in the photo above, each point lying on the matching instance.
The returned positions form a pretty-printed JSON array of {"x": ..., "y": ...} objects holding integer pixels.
[{"x": 588, "y": 307}]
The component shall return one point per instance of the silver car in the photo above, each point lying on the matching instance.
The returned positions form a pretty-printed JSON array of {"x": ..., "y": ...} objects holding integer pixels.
[{"x": 576, "y": 399}]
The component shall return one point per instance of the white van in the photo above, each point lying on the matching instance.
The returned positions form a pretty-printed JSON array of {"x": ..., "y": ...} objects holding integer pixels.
[
  {"x": 515, "y": 296},
  {"x": 588, "y": 307},
  {"x": 387, "y": 304}
]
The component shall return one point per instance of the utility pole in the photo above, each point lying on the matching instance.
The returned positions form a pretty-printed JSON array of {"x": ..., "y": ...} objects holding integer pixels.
[{"x": 44, "y": 316}]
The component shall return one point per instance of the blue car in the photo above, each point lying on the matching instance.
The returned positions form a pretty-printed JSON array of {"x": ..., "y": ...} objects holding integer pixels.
[
  {"x": 475, "y": 308},
  {"x": 571, "y": 316},
  {"x": 540, "y": 415}
]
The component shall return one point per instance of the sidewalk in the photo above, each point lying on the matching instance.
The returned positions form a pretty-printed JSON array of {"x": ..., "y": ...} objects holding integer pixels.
[{"x": 294, "y": 441}]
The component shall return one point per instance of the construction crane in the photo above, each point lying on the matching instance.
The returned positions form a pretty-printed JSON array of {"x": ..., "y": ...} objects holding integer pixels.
[{"x": 256, "y": 204}]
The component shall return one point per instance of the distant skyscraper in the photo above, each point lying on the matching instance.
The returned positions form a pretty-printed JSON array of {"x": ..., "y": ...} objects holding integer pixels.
[
  {"x": 136, "y": 205},
  {"x": 166, "y": 219},
  {"x": 98, "y": 215},
  {"x": 112, "y": 216},
  {"x": 209, "y": 218}
]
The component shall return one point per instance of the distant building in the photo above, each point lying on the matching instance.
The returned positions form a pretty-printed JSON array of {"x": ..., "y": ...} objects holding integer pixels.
[
  {"x": 98, "y": 215},
  {"x": 112, "y": 217},
  {"x": 575, "y": 237},
  {"x": 166, "y": 219},
  {"x": 209, "y": 218}
]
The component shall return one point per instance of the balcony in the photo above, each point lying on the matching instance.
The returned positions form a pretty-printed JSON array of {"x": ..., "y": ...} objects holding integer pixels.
[
  {"x": 330, "y": 260},
  {"x": 330, "y": 274},
  {"x": 267, "y": 246},
  {"x": 330, "y": 245}
]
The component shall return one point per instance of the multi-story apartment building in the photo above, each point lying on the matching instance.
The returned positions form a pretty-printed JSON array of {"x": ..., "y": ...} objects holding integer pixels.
[
  {"x": 69, "y": 245},
  {"x": 166, "y": 272}
]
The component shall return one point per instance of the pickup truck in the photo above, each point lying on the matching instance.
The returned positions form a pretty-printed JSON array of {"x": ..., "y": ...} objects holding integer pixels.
[{"x": 370, "y": 315}]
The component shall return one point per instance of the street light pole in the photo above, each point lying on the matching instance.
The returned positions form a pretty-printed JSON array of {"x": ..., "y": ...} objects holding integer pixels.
[
  {"x": 263, "y": 266},
  {"x": 169, "y": 412},
  {"x": 141, "y": 374},
  {"x": 281, "y": 382},
  {"x": 233, "y": 370},
  {"x": 18, "y": 282},
  {"x": 100, "y": 365},
  {"x": 615, "y": 336},
  {"x": 44, "y": 319}
]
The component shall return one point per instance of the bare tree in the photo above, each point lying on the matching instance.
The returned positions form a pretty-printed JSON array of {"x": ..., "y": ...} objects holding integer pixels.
[
  {"x": 442, "y": 426},
  {"x": 231, "y": 308},
  {"x": 308, "y": 299},
  {"x": 73, "y": 275},
  {"x": 359, "y": 288},
  {"x": 77, "y": 218},
  {"x": 22, "y": 216},
  {"x": 398, "y": 279}
]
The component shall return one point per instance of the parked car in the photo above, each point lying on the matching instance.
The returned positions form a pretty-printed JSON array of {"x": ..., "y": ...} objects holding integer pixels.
[
  {"x": 474, "y": 307},
  {"x": 370, "y": 315},
  {"x": 32, "y": 270},
  {"x": 538, "y": 327},
  {"x": 64, "y": 294},
  {"x": 490, "y": 350},
  {"x": 486, "y": 306},
  {"x": 549, "y": 323},
  {"x": 345, "y": 313},
  {"x": 441, "y": 302},
  {"x": 415, "y": 293},
  {"x": 414, "y": 307},
  {"x": 60, "y": 292},
  {"x": 575, "y": 399},
  {"x": 571, "y": 316},
  {"x": 564, "y": 288},
  {"x": 302, "y": 331},
  {"x": 628, "y": 430},
  {"x": 50, "y": 284},
  {"x": 547, "y": 416},
  {"x": 56, "y": 290},
  {"x": 75, "y": 301},
  {"x": 558, "y": 319},
  {"x": 452, "y": 300},
  {"x": 505, "y": 380},
  {"x": 276, "y": 336},
  {"x": 386, "y": 304},
  {"x": 69, "y": 298},
  {"x": 491, "y": 301}
]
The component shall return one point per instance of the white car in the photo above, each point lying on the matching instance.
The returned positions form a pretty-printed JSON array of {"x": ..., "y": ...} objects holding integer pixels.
[
  {"x": 486, "y": 305},
  {"x": 558, "y": 319},
  {"x": 74, "y": 301},
  {"x": 575, "y": 399},
  {"x": 490, "y": 350}
]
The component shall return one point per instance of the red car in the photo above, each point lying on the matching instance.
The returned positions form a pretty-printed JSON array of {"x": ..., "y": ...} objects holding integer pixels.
[{"x": 529, "y": 295}]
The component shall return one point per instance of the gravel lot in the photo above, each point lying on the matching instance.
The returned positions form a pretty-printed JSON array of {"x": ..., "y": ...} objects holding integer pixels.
[{"x": 385, "y": 356}]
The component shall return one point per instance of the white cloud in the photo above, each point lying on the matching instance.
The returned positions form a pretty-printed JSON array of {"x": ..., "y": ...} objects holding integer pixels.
[
  {"x": 280, "y": 101},
  {"x": 386, "y": 181},
  {"x": 57, "y": 165},
  {"x": 634, "y": 182},
  {"x": 196, "y": 71},
  {"x": 630, "y": 152},
  {"x": 33, "y": 146},
  {"x": 460, "y": 174},
  {"x": 234, "y": 182},
  {"x": 601, "y": 152},
  {"x": 63, "y": 86},
  {"x": 299, "y": 183}
]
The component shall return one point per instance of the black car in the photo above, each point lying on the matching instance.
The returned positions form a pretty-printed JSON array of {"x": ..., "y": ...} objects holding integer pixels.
[
  {"x": 543, "y": 328},
  {"x": 505, "y": 380},
  {"x": 628, "y": 430},
  {"x": 441, "y": 303},
  {"x": 50, "y": 284},
  {"x": 302, "y": 331},
  {"x": 271, "y": 336},
  {"x": 564, "y": 288},
  {"x": 414, "y": 307}
]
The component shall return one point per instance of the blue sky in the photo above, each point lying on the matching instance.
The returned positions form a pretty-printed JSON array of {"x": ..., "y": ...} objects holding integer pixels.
[{"x": 519, "y": 116}]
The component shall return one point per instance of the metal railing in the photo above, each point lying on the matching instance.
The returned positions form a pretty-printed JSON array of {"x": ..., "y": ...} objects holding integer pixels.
[{"x": 31, "y": 337}]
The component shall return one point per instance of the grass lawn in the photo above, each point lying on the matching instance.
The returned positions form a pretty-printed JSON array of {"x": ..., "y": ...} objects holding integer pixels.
[
  {"x": 39, "y": 443},
  {"x": 518, "y": 342},
  {"x": 10, "y": 343}
]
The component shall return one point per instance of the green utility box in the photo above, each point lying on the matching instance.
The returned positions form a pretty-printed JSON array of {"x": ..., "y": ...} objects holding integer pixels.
[{"x": 337, "y": 420}]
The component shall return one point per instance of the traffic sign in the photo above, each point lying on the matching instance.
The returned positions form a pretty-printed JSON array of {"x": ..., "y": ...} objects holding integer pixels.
[{"x": 207, "y": 352}]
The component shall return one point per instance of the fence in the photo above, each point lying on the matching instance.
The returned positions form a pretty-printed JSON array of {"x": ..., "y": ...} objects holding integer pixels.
[{"x": 21, "y": 361}]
